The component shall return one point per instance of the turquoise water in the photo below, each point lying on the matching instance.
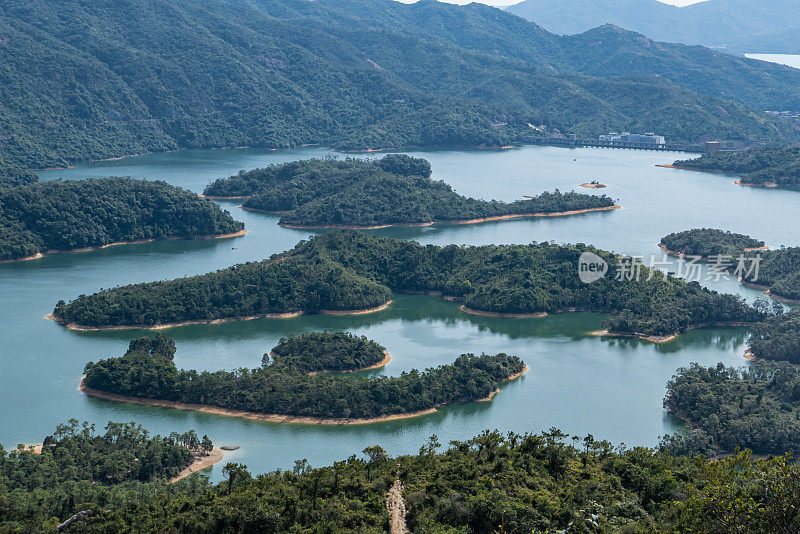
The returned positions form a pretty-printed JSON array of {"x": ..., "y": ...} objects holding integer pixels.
[{"x": 579, "y": 383}]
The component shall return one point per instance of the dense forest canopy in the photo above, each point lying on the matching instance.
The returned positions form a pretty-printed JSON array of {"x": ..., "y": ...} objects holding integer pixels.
[
  {"x": 348, "y": 270},
  {"x": 290, "y": 390},
  {"x": 777, "y": 338},
  {"x": 707, "y": 242},
  {"x": 490, "y": 483},
  {"x": 756, "y": 408},
  {"x": 78, "y": 465},
  {"x": 325, "y": 351},
  {"x": 771, "y": 166},
  {"x": 12, "y": 173},
  {"x": 393, "y": 190},
  {"x": 779, "y": 270},
  {"x": 74, "y": 214},
  {"x": 87, "y": 80}
]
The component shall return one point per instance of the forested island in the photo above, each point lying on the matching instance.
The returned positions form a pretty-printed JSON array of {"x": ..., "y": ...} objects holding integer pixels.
[
  {"x": 394, "y": 190},
  {"x": 290, "y": 392},
  {"x": 315, "y": 352},
  {"x": 492, "y": 482},
  {"x": 69, "y": 215},
  {"x": 756, "y": 408},
  {"x": 77, "y": 469},
  {"x": 708, "y": 242},
  {"x": 761, "y": 167},
  {"x": 349, "y": 270}
]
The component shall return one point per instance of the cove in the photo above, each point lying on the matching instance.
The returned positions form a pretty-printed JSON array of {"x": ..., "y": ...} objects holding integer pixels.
[{"x": 579, "y": 383}]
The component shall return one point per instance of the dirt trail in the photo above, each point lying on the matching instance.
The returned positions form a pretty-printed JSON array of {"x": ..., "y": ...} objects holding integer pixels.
[{"x": 397, "y": 509}]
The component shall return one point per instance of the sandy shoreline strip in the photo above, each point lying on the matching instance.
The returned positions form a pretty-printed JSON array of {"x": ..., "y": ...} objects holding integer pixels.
[
  {"x": 590, "y": 185},
  {"x": 765, "y": 185},
  {"x": 537, "y": 315},
  {"x": 288, "y": 315},
  {"x": 271, "y": 418},
  {"x": 748, "y": 355},
  {"x": 200, "y": 463},
  {"x": 136, "y": 242},
  {"x": 431, "y": 223},
  {"x": 357, "y": 312}
]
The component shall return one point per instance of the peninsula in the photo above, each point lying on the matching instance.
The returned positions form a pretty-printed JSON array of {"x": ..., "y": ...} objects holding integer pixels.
[
  {"x": 759, "y": 167},
  {"x": 80, "y": 215}
]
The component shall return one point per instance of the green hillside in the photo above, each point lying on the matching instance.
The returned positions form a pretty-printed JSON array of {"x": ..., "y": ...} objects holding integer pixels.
[{"x": 91, "y": 80}]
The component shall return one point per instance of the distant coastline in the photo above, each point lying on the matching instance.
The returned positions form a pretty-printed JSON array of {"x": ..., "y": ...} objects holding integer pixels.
[
  {"x": 431, "y": 223},
  {"x": 287, "y": 315}
]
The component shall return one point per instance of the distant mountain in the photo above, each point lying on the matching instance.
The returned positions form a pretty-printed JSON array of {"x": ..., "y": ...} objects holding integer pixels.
[
  {"x": 112, "y": 77},
  {"x": 767, "y": 26}
]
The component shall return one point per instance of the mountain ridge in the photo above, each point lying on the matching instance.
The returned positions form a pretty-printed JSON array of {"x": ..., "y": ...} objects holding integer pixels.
[
  {"x": 734, "y": 25},
  {"x": 110, "y": 78}
]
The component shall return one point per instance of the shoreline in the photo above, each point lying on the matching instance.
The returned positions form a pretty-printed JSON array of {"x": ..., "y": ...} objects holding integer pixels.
[
  {"x": 765, "y": 185},
  {"x": 341, "y": 313},
  {"x": 200, "y": 463},
  {"x": 682, "y": 255},
  {"x": 443, "y": 221},
  {"x": 768, "y": 292},
  {"x": 135, "y": 242},
  {"x": 274, "y": 418},
  {"x": 494, "y": 393},
  {"x": 598, "y": 185},
  {"x": 670, "y": 337},
  {"x": 537, "y": 315},
  {"x": 288, "y": 315},
  {"x": 748, "y": 355},
  {"x": 688, "y": 168}
]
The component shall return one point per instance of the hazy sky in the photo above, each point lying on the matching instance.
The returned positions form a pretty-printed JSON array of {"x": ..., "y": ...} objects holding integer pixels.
[{"x": 510, "y": 2}]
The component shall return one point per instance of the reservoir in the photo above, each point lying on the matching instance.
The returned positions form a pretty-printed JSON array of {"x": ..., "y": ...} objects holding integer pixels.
[{"x": 578, "y": 383}]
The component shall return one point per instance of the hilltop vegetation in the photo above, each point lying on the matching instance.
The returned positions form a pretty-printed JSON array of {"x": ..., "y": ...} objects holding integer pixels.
[
  {"x": 779, "y": 270},
  {"x": 290, "y": 390},
  {"x": 492, "y": 482},
  {"x": 350, "y": 271},
  {"x": 393, "y": 190},
  {"x": 78, "y": 466},
  {"x": 707, "y": 242},
  {"x": 759, "y": 166},
  {"x": 87, "y": 80},
  {"x": 75, "y": 214},
  {"x": 325, "y": 351},
  {"x": 756, "y": 407}
]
